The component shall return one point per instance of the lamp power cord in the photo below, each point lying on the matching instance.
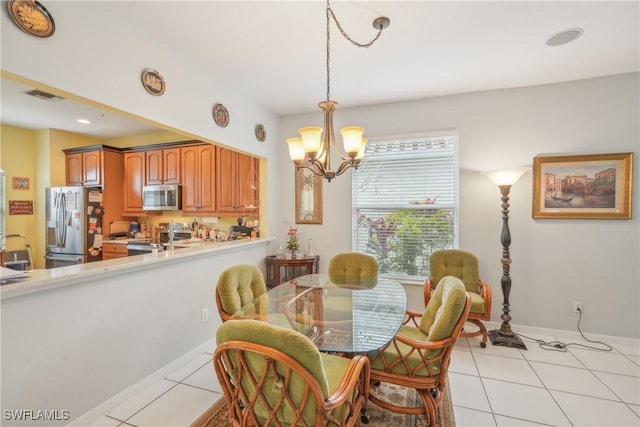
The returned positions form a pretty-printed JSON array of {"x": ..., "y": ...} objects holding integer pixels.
[{"x": 562, "y": 347}]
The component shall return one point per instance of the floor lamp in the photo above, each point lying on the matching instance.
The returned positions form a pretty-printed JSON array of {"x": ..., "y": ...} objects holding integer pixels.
[{"x": 505, "y": 178}]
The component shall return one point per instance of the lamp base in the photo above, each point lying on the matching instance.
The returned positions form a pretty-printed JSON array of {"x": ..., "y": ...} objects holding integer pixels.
[{"x": 506, "y": 340}]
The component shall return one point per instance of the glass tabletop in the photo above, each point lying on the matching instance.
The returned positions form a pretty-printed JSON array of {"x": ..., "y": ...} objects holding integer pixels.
[{"x": 336, "y": 317}]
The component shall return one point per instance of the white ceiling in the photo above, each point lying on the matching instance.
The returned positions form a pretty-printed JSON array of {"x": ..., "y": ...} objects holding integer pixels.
[{"x": 274, "y": 51}]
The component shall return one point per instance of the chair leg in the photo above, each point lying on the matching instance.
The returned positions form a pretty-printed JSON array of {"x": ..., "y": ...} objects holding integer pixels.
[
  {"x": 431, "y": 399},
  {"x": 482, "y": 330}
]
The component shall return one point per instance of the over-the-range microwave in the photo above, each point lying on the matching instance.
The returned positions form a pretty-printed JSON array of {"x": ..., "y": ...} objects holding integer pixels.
[{"x": 161, "y": 197}]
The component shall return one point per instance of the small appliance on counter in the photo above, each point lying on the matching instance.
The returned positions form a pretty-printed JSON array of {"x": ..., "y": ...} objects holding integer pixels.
[{"x": 181, "y": 231}]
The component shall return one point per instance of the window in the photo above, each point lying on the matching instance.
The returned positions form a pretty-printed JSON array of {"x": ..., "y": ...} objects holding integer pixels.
[{"x": 405, "y": 203}]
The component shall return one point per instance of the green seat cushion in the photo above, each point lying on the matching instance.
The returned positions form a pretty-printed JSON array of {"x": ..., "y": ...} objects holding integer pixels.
[
  {"x": 239, "y": 286},
  {"x": 457, "y": 263},
  {"x": 477, "y": 303},
  {"x": 444, "y": 309},
  {"x": 353, "y": 268}
]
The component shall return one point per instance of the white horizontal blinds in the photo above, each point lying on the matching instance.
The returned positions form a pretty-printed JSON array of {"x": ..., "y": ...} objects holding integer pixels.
[{"x": 405, "y": 202}]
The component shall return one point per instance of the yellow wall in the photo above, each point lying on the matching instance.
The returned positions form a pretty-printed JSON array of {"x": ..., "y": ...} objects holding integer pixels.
[{"x": 18, "y": 148}]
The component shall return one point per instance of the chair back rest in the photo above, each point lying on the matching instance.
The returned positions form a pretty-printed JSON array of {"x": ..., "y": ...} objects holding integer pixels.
[
  {"x": 270, "y": 371},
  {"x": 353, "y": 268},
  {"x": 446, "y": 311},
  {"x": 237, "y": 289},
  {"x": 457, "y": 263}
]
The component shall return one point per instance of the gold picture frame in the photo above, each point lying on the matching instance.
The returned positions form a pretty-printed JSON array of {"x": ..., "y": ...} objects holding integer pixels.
[
  {"x": 592, "y": 186},
  {"x": 20, "y": 183},
  {"x": 308, "y": 197}
]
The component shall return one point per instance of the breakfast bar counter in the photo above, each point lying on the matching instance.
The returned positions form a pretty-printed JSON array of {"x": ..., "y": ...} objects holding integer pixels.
[{"x": 39, "y": 280}]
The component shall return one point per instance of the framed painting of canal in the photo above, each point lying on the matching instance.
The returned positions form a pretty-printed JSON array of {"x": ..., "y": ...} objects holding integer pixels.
[{"x": 594, "y": 186}]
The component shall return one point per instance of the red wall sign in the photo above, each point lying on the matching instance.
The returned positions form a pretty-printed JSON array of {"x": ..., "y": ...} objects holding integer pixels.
[{"x": 20, "y": 207}]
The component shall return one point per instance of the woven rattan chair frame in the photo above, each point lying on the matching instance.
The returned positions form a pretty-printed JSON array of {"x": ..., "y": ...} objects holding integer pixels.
[
  {"x": 343, "y": 408},
  {"x": 430, "y": 387}
]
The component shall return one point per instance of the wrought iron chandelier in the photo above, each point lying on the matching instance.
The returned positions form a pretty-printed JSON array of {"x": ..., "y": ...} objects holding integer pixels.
[{"x": 312, "y": 149}]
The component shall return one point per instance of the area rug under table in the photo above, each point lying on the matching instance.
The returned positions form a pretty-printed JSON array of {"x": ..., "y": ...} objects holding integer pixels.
[{"x": 217, "y": 416}]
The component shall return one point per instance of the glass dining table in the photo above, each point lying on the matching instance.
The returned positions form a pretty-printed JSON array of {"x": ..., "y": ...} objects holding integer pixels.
[{"x": 338, "y": 318}]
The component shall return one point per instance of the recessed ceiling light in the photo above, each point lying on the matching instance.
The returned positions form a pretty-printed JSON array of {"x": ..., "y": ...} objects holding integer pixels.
[
  {"x": 84, "y": 121},
  {"x": 564, "y": 37}
]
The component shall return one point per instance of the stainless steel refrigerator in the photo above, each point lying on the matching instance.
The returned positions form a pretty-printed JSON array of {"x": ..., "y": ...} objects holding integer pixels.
[{"x": 74, "y": 226}]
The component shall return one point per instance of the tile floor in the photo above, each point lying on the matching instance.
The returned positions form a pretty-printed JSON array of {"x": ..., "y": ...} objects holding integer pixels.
[{"x": 495, "y": 386}]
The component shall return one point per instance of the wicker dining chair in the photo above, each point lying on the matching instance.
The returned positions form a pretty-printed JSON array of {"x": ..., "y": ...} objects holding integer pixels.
[
  {"x": 418, "y": 356},
  {"x": 464, "y": 266},
  {"x": 273, "y": 376},
  {"x": 239, "y": 288}
]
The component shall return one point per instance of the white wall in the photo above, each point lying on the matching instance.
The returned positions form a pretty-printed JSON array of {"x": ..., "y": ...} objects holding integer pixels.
[{"x": 555, "y": 262}]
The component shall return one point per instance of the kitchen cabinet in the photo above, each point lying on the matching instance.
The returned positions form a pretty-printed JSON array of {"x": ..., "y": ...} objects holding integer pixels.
[
  {"x": 99, "y": 166},
  {"x": 236, "y": 182},
  {"x": 85, "y": 168},
  {"x": 113, "y": 250},
  {"x": 134, "y": 173},
  {"x": 198, "y": 179},
  {"x": 163, "y": 166}
]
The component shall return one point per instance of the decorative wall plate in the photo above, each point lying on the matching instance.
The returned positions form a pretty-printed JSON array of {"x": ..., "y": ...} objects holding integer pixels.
[
  {"x": 261, "y": 134},
  {"x": 153, "y": 82},
  {"x": 32, "y": 17},
  {"x": 220, "y": 115}
]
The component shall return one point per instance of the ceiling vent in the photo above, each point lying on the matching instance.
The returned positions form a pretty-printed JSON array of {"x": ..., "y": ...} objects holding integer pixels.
[{"x": 45, "y": 96}]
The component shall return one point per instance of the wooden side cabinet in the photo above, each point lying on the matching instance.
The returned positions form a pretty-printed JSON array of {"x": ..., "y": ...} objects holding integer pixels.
[
  {"x": 280, "y": 270},
  {"x": 198, "y": 179},
  {"x": 163, "y": 166},
  {"x": 85, "y": 168}
]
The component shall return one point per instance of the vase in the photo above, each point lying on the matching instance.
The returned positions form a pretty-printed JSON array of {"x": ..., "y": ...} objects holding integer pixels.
[
  {"x": 310, "y": 253},
  {"x": 294, "y": 254}
]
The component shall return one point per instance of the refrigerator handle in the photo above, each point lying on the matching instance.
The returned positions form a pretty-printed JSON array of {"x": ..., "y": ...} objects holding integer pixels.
[{"x": 63, "y": 242}]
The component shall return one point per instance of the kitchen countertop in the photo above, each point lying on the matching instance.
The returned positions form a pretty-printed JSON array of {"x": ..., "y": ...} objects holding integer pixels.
[{"x": 41, "y": 280}]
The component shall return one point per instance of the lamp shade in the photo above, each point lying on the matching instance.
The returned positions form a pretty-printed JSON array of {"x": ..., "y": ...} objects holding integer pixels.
[
  {"x": 296, "y": 149},
  {"x": 352, "y": 140},
  {"x": 311, "y": 139},
  {"x": 506, "y": 176}
]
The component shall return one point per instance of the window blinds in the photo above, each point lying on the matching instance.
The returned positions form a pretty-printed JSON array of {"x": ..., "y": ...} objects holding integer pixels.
[{"x": 405, "y": 203}]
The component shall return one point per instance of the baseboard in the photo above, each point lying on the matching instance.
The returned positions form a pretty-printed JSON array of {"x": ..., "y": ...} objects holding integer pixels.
[
  {"x": 559, "y": 333},
  {"x": 88, "y": 417}
]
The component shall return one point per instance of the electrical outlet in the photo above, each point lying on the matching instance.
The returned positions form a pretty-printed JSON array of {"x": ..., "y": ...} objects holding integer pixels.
[
  {"x": 577, "y": 307},
  {"x": 205, "y": 315}
]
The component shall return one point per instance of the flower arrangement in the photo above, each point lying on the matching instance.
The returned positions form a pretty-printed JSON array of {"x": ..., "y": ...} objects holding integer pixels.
[{"x": 293, "y": 243}]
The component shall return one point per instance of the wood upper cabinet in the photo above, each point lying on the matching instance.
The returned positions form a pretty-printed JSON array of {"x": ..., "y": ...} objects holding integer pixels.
[
  {"x": 163, "y": 166},
  {"x": 99, "y": 166},
  {"x": 134, "y": 173},
  {"x": 236, "y": 182},
  {"x": 85, "y": 168},
  {"x": 198, "y": 179}
]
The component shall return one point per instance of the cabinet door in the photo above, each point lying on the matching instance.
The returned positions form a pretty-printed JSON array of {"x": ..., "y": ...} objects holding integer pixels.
[
  {"x": 207, "y": 169},
  {"x": 134, "y": 173},
  {"x": 92, "y": 168},
  {"x": 154, "y": 167},
  {"x": 74, "y": 169},
  {"x": 190, "y": 179},
  {"x": 226, "y": 180},
  {"x": 171, "y": 166}
]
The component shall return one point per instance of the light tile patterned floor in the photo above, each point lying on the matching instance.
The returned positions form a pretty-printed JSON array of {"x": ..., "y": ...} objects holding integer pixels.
[{"x": 495, "y": 386}]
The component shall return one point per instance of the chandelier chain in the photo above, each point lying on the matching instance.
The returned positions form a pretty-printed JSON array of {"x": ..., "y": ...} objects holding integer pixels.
[{"x": 330, "y": 14}]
